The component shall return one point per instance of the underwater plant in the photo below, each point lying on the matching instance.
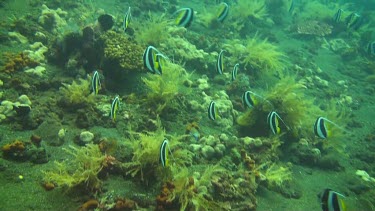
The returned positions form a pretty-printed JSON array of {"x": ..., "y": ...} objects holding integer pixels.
[
  {"x": 315, "y": 10},
  {"x": 192, "y": 191},
  {"x": 153, "y": 30},
  {"x": 161, "y": 89},
  {"x": 245, "y": 9},
  {"x": 77, "y": 94},
  {"x": 257, "y": 54},
  {"x": 276, "y": 176},
  {"x": 146, "y": 154},
  {"x": 287, "y": 98},
  {"x": 87, "y": 162}
]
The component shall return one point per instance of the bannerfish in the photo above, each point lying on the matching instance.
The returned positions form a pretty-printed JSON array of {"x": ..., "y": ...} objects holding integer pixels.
[
  {"x": 184, "y": 17},
  {"x": 219, "y": 63},
  {"x": 114, "y": 107},
  {"x": 152, "y": 60},
  {"x": 223, "y": 12},
  {"x": 273, "y": 121},
  {"x": 332, "y": 201},
  {"x": 249, "y": 99},
  {"x": 125, "y": 23},
  {"x": 337, "y": 16},
  {"x": 353, "y": 21},
  {"x": 95, "y": 82},
  {"x": 212, "y": 111},
  {"x": 291, "y": 7},
  {"x": 321, "y": 129},
  {"x": 164, "y": 153},
  {"x": 235, "y": 71},
  {"x": 371, "y": 48}
]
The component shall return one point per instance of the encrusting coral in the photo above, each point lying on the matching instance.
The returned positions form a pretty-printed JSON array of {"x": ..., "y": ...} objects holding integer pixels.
[
  {"x": 85, "y": 166},
  {"x": 17, "y": 62},
  {"x": 16, "y": 147},
  {"x": 52, "y": 20},
  {"x": 121, "y": 51}
]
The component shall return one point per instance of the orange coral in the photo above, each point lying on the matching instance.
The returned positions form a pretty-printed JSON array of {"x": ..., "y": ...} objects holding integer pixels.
[
  {"x": 15, "y": 146},
  {"x": 36, "y": 140},
  {"x": 248, "y": 162},
  {"x": 162, "y": 200},
  {"x": 89, "y": 205},
  {"x": 191, "y": 126},
  {"x": 125, "y": 204},
  {"x": 17, "y": 62},
  {"x": 48, "y": 186}
]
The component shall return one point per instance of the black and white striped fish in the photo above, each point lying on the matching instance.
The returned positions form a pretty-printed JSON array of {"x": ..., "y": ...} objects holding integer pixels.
[
  {"x": 126, "y": 21},
  {"x": 337, "y": 16},
  {"x": 223, "y": 12},
  {"x": 212, "y": 112},
  {"x": 153, "y": 60},
  {"x": 164, "y": 153},
  {"x": 273, "y": 122},
  {"x": 219, "y": 63},
  {"x": 332, "y": 201},
  {"x": 235, "y": 71},
  {"x": 184, "y": 17},
  {"x": 95, "y": 82},
  {"x": 115, "y": 106}
]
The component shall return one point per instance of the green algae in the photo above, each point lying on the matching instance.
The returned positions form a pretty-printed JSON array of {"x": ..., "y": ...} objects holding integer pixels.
[{"x": 84, "y": 168}]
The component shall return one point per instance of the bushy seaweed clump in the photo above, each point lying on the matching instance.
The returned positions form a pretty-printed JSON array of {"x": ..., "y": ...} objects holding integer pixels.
[
  {"x": 288, "y": 100},
  {"x": 146, "y": 154},
  {"x": 314, "y": 10},
  {"x": 152, "y": 31},
  {"x": 192, "y": 192},
  {"x": 276, "y": 176},
  {"x": 246, "y": 13},
  {"x": 161, "y": 89},
  {"x": 245, "y": 9},
  {"x": 82, "y": 169},
  {"x": 256, "y": 54},
  {"x": 77, "y": 94}
]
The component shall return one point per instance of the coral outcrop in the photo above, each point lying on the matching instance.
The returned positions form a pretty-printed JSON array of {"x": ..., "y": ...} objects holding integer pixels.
[
  {"x": 52, "y": 20},
  {"x": 17, "y": 62},
  {"x": 312, "y": 27},
  {"x": 120, "y": 51}
]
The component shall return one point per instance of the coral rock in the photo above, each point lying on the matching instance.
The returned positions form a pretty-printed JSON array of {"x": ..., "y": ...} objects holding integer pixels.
[
  {"x": 89, "y": 205},
  {"x": 208, "y": 152},
  {"x": 120, "y": 51},
  {"x": 86, "y": 137}
]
